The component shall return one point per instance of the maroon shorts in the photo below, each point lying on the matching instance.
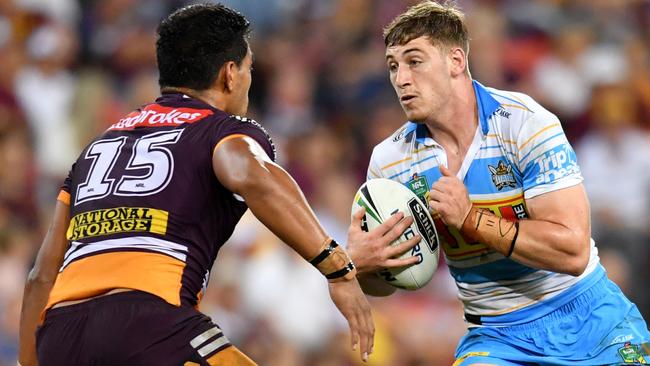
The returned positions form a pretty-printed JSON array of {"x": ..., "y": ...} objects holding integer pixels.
[{"x": 128, "y": 328}]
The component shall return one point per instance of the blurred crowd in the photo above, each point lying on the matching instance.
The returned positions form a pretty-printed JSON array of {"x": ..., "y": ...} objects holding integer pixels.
[{"x": 69, "y": 69}]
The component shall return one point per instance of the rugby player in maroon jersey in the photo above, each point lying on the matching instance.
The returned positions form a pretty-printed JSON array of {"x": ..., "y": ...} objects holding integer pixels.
[{"x": 147, "y": 205}]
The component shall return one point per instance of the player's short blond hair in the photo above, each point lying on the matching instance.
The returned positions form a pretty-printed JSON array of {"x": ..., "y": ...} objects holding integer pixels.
[{"x": 443, "y": 23}]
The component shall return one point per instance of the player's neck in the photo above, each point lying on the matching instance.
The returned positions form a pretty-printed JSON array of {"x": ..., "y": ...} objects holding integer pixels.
[
  {"x": 209, "y": 96},
  {"x": 455, "y": 126}
]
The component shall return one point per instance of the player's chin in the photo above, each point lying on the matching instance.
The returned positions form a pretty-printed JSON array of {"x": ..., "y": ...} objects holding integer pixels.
[{"x": 415, "y": 116}]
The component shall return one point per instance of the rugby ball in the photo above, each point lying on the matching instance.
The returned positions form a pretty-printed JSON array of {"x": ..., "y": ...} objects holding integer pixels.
[{"x": 381, "y": 198}]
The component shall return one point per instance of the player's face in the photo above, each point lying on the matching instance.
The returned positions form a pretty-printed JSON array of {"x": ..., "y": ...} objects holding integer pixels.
[
  {"x": 243, "y": 84},
  {"x": 420, "y": 74}
]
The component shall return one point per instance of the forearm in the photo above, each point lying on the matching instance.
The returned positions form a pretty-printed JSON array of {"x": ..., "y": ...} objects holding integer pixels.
[
  {"x": 34, "y": 300},
  {"x": 40, "y": 281},
  {"x": 538, "y": 243},
  {"x": 275, "y": 199}
]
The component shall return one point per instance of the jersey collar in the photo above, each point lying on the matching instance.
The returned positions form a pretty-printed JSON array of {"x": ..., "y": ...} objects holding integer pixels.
[{"x": 486, "y": 103}]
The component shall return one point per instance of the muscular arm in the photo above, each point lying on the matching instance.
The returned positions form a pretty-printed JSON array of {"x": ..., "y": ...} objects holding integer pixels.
[
  {"x": 555, "y": 238},
  {"x": 243, "y": 167},
  {"x": 272, "y": 195},
  {"x": 40, "y": 281}
]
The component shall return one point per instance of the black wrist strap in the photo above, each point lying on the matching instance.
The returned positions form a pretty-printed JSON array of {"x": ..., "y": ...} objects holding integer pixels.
[
  {"x": 514, "y": 239},
  {"x": 324, "y": 254},
  {"x": 341, "y": 272}
]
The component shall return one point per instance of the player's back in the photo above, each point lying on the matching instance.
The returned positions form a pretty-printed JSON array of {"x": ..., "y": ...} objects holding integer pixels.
[{"x": 147, "y": 211}]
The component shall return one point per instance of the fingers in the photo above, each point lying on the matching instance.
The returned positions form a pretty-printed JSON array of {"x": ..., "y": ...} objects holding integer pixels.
[
  {"x": 357, "y": 217},
  {"x": 387, "y": 225},
  {"x": 445, "y": 171},
  {"x": 352, "y": 303},
  {"x": 354, "y": 335},
  {"x": 401, "y": 262},
  {"x": 401, "y": 248},
  {"x": 367, "y": 332},
  {"x": 399, "y": 229}
]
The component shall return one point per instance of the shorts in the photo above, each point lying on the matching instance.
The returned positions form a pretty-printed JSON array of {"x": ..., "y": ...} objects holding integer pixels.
[
  {"x": 132, "y": 328},
  {"x": 600, "y": 326}
]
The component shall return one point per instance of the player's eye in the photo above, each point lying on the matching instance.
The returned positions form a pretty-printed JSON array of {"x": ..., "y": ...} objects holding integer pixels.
[
  {"x": 415, "y": 62},
  {"x": 392, "y": 67}
]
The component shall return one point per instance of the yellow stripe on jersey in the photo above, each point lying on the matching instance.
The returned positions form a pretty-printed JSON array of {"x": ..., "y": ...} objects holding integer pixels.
[
  {"x": 468, "y": 355},
  {"x": 373, "y": 173},
  {"x": 64, "y": 197},
  {"x": 497, "y": 136},
  {"x": 497, "y": 202},
  {"x": 157, "y": 274},
  {"x": 515, "y": 106},
  {"x": 537, "y": 134},
  {"x": 519, "y": 100},
  {"x": 403, "y": 160},
  {"x": 117, "y": 220}
]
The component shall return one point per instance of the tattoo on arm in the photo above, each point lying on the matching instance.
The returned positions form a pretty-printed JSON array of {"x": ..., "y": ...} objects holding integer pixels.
[{"x": 484, "y": 226}]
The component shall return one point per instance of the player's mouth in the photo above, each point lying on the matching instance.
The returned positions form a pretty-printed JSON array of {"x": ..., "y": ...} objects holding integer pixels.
[{"x": 407, "y": 99}]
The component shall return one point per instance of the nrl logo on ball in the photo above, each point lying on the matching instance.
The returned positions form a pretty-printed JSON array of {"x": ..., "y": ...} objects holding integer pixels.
[{"x": 502, "y": 175}]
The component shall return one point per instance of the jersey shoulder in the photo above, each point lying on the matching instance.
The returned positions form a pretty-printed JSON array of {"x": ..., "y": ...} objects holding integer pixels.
[
  {"x": 391, "y": 150},
  {"x": 519, "y": 115},
  {"x": 234, "y": 125},
  {"x": 394, "y": 145}
]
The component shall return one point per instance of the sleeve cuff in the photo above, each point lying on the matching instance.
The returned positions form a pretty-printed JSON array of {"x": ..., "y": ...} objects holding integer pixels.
[{"x": 64, "y": 197}]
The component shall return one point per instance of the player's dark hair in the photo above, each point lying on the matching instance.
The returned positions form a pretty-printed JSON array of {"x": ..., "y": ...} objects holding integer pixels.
[
  {"x": 194, "y": 42},
  {"x": 443, "y": 23}
]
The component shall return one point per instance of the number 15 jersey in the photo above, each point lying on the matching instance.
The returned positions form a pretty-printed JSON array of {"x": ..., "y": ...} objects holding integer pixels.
[{"x": 146, "y": 209}]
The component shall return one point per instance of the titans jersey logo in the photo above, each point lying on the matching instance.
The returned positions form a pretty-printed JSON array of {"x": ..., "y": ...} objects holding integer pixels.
[{"x": 502, "y": 175}]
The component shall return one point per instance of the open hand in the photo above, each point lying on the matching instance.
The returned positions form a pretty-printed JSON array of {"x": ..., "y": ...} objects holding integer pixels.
[
  {"x": 372, "y": 251},
  {"x": 352, "y": 303}
]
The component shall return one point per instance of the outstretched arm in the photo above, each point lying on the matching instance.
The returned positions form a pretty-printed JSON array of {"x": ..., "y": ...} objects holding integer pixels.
[
  {"x": 40, "y": 281},
  {"x": 243, "y": 167}
]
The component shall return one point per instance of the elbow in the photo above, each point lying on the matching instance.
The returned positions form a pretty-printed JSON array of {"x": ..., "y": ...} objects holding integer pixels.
[
  {"x": 580, "y": 259},
  {"x": 36, "y": 277},
  {"x": 257, "y": 180}
]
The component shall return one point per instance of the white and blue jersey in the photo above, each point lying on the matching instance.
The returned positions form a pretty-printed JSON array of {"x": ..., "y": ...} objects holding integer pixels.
[
  {"x": 519, "y": 151},
  {"x": 527, "y": 315}
]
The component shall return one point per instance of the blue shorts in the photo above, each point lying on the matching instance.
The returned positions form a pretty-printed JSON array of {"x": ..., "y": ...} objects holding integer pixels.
[{"x": 600, "y": 326}]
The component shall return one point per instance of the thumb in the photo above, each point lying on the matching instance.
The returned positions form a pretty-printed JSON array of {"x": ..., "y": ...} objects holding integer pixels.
[
  {"x": 358, "y": 216},
  {"x": 445, "y": 171}
]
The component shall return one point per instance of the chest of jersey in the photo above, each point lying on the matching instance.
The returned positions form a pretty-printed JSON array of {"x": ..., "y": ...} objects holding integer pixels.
[{"x": 492, "y": 181}]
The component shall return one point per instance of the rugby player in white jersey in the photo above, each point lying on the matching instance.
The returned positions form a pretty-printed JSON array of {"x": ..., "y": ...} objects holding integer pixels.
[{"x": 507, "y": 196}]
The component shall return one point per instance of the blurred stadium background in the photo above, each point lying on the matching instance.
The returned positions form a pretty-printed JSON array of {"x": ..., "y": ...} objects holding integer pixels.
[{"x": 69, "y": 69}]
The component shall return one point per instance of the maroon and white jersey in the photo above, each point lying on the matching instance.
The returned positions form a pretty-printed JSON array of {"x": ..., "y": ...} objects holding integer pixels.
[{"x": 146, "y": 209}]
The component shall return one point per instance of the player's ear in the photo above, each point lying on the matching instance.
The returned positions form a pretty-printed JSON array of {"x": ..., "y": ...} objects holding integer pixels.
[
  {"x": 227, "y": 76},
  {"x": 457, "y": 61}
]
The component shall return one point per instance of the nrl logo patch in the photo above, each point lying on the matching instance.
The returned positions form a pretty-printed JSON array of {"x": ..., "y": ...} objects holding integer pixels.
[
  {"x": 419, "y": 186},
  {"x": 502, "y": 175},
  {"x": 631, "y": 354}
]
